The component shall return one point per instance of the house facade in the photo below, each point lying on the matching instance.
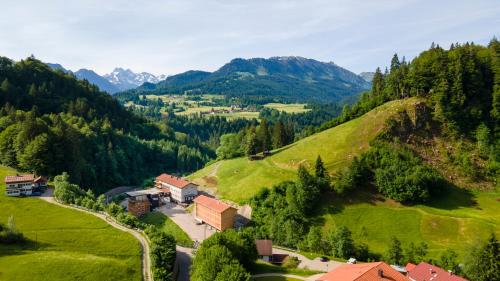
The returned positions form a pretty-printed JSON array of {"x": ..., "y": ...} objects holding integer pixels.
[
  {"x": 24, "y": 185},
  {"x": 213, "y": 212},
  {"x": 181, "y": 190}
]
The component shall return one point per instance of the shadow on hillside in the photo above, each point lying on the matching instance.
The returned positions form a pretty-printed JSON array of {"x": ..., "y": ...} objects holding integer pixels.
[
  {"x": 452, "y": 197},
  {"x": 21, "y": 249}
]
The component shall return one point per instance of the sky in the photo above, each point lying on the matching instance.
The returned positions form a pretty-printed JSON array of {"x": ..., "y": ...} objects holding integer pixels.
[{"x": 172, "y": 36}]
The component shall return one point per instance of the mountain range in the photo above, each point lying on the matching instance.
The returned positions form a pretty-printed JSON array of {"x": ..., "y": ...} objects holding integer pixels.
[
  {"x": 119, "y": 79},
  {"x": 280, "y": 78}
]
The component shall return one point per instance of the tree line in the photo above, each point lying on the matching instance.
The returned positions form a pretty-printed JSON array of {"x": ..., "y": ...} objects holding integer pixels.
[{"x": 51, "y": 122}]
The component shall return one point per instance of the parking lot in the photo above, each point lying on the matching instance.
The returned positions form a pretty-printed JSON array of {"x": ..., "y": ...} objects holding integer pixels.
[{"x": 186, "y": 221}]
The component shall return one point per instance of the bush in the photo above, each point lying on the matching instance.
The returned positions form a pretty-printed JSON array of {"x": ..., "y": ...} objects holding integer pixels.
[
  {"x": 9, "y": 234},
  {"x": 291, "y": 262}
]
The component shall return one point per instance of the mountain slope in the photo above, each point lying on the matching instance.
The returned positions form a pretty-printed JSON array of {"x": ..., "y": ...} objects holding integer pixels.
[
  {"x": 239, "y": 179},
  {"x": 118, "y": 80},
  {"x": 96, "y": 79},
  {"x": 285, "y": 78}
]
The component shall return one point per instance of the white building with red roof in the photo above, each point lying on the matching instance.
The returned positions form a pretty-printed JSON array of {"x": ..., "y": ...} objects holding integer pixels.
[
  {"x": 181, "y": 190},
  {"x": 23, "y": 185}
]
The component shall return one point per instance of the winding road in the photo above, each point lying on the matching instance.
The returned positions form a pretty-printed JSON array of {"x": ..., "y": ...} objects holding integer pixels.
[{"x": 146, "y": 262}]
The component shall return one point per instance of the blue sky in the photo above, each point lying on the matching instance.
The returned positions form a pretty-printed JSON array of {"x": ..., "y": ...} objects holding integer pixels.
[{"x": 171, "y": 36}]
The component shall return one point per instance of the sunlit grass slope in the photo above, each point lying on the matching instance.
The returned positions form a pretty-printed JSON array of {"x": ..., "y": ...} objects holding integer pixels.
[{"x": 65, "y": 244}]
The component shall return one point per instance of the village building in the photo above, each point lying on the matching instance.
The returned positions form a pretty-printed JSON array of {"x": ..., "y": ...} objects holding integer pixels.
[
  {"x": 374, "y": 271},
  {"x": 425, "y": 271},
  {"x": 213, "y": 212},
  {"x": 181, "y": 190},
  {"x": 265, "y": 249},
  {"x": 24, "y": 185},
  {"x": 141, "y": 202}
]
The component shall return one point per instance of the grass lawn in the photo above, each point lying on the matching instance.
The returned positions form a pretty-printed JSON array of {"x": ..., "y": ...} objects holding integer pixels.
[
  {"x": 288, "y": 107},
  {"x": 168, "y": 226},
  {"x": 239, "y": 179},
  {"x": 265, "y": 267},
  {"x": 65, "y": 244}
]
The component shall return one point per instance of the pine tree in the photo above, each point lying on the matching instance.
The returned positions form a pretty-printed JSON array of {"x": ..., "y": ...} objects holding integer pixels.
[
  {"x": 483, "y": 261},
  {"x": 320, "y": 171},
  {"x": 263, "y": 136},
  {"x": 395, "y": 252},
  {"x": 252, "y": 143}
]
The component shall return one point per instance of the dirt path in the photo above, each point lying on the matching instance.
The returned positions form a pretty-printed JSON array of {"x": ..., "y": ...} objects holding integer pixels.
[
  {"x": 146, "y": 262},
  {"x": 214, "y": 171}
]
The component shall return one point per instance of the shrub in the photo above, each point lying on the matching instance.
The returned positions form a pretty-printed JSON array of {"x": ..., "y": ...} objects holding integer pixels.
[{"x": 291, "y": 262}]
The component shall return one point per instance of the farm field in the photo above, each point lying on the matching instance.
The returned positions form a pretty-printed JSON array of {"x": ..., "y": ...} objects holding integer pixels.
[
  {"x": 288, "y": 108},
  {"x": 66, "y": 244},
  {"x": 168, "y": 226},
  {"x": 442, "y": 223}
]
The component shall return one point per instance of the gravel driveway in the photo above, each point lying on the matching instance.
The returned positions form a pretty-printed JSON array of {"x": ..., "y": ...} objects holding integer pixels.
[
  {"x": 314, "y": 264},
  {"x": 187, "y": 222}
]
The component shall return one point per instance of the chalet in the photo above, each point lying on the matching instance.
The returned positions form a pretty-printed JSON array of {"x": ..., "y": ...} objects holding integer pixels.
[
  {"x": 181, "y": 190},
  {"x": 374, "y": 271},
  {"x": 425, "y": 271},
  {"x": 24, "y": 185},
  {"x": 264, "y": 249},
  {"x": 213, "y": 212},
  {"x": 141, "y": 202}
]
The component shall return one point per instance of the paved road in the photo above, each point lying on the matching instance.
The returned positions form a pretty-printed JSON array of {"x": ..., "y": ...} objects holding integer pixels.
[
  {"x": 314, "y": 264},
  {"x": 187, "y": 222},
  {"x": 184, "y": 257},
  {"x": 146, "y": 262}
]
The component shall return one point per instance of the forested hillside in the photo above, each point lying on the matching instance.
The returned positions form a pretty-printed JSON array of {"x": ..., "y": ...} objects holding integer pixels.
[
  {"x": 51, "y": 122},
  {"x": 289, "y": 79}
]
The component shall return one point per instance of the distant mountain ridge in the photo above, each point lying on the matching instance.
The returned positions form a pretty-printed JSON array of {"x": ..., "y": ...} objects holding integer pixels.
[
  {"x": 288, "y": 78},
  {"x": 118, "y": 80}
]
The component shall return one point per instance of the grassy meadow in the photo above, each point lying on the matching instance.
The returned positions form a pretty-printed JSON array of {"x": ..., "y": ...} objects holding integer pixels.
[
  {"x": 65, "y": 244},
  {"x": 445, "y": 222},
  {"x": 239, "y": 179},
  {"x": 168, "y": 226},
  {"x": 288, "y": 107}
]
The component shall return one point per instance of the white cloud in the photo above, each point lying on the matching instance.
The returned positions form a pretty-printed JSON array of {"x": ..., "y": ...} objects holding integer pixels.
[{"x": 177, "y": 35}]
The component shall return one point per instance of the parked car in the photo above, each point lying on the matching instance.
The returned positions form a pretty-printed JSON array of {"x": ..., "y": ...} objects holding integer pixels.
[{"x": 323, "y": 259}]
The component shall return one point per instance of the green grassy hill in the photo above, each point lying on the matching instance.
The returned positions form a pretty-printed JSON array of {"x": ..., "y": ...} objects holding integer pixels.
[
  {"x": 70, "y": 245},
  {"x": 239, "y": 179},
  {"x": 446, "y": 222}
]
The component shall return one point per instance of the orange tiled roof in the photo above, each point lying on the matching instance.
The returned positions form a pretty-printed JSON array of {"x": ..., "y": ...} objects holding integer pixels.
[
  {"x": 173, "y": 180},
  {"x": 424, "y": 271},
  {"x": 374, "y": 271},
  {"x": 212, "y": 203},
  {"x": 19, "y": 178}
]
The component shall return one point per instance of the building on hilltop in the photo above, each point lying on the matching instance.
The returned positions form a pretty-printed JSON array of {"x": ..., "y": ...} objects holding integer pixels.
[
  {"x": 425, "y": 271},
  {"x": 374, "y": 271},
  {"x": 213, "y": 212},
  {"x": 24, "y": 185},
  {"x": 181, "y": 190}
]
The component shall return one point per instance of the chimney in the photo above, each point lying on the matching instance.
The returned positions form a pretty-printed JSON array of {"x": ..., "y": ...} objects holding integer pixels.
[{"x": 380, "y": 273}]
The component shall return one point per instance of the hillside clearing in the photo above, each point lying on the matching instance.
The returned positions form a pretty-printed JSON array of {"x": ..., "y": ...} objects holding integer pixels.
[
  {"x": 239, "y": 179},
  {"x": 67, "y": 244}
]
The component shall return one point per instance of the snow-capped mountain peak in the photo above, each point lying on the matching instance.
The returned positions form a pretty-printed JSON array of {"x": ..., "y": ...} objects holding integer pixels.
[{"x": 126, "y": 79}]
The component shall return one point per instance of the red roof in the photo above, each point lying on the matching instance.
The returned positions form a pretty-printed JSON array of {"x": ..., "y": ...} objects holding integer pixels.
[
  {"x": 211, "y": 203},
  {"x": 374, "y": 271},
  {"x": 264, "y": 247},
  {"x": 424, "y": 271},
  {"x": 410, "y": 266},
  {"x": 20, "y": 178},
  {"x": 172, "y": 180}
]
